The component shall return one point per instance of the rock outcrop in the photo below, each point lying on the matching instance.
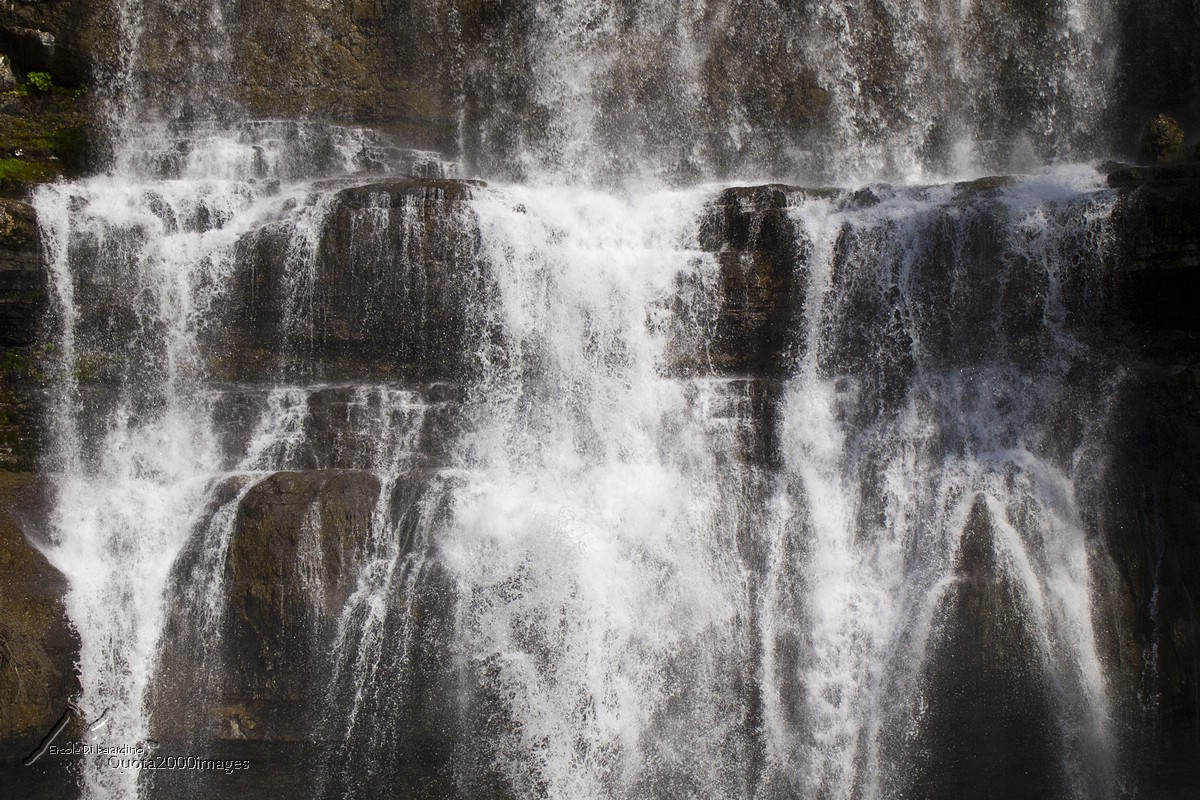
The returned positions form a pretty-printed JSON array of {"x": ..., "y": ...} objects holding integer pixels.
[
  {"x": 260, "y": 667},
  {"x": 1148, "y": 508},
  {"x": 261, "y": 675},
  {"x": 1162, "y": 141},
  {"x": 988, "y": 729},
  {"x": 388, "y": 300},
  {"x": 38, "y": 646},
  {"x": 388, "y": 292}
]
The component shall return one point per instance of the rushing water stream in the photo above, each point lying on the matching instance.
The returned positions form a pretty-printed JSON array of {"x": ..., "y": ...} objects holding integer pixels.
[{"x": 552, "y": 534}]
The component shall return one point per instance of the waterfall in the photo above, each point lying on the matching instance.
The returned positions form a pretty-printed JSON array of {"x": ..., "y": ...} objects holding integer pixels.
[
  {"x": 830, "y": 91},
  {"x": 616, "y": 470}
]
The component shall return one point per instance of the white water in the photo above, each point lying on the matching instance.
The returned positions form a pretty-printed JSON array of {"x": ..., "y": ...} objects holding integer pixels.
[
  {"x": 591, "y": 545},
  {"x": 874, "y": 591},
  {"x": 139, "y": 270},
  {"x": 133, "y": 469},
  {"x": 600, "y": 509}
]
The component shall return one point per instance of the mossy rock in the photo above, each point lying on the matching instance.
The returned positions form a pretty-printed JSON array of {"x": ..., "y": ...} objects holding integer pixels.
[
  {"x": 1162, "y": 141},
  {"x": 43, "y": 136}
]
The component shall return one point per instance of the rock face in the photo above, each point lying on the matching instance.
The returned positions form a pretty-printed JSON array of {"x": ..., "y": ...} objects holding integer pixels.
[
  {"x": 259, "y": 670},
  {"x": 22, "y": 304},
  {"x": 988, "y": 730},
  {"x": 22, "y": 291},
  {"x": 38, "y": 646},
  {"x": 387, "y": 62},
  {"x": 480, "y": 77},
  {"x": 248, "y": 678},
  {"x": 1149, "y": 508},
  {"x": 386, "y": 297},
  {"x": 1160, "y": 246},
  {"x": 1159, "y": 55},
  {"x": 263, "y": 677},
  {"x": 390, "y": 284},
  {"x": 393, "y": 279},
  {"x": 46, "y": 127},
  {"x": 61, "y": 37},
  {"x": 1149, "y": 526},
  {"x": 757, "y": 247}
]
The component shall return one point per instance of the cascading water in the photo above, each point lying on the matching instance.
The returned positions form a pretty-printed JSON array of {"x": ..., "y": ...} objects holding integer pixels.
[
  {"x": 885, "y": 464},
  {"x": 829, "y": 91},
  {"x": 138, "y": 273},
  {"x": 537, "y": 490}
]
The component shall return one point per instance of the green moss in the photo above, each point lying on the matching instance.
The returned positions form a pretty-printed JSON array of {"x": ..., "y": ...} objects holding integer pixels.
[
  {"x": 16, "y": 169},
  {"x": 93, "y": 367},
  {"x": 42, "y": 363},
  {"x": 43, "y": 135},
  {"x": 27, "y": 364}
]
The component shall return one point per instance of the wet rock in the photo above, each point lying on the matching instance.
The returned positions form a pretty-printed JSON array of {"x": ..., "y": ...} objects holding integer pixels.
[
  {"x": 404, "y": 694},
  {"x": 344, "y": 427},
  {"x": 987, "y": 730},
  {"x": 372, "y": 61},
  {"x": 756, "y": 327},
  {"x": 393, "y": 281},
  {"x": 987, "y": 184},
  {"x": 282, "y": 668},
  {"x": 22, "y": 284},
  {"x": 65, "y": 38},
  {"x": 294, "y": 550},
  {"x": 44, "y": 136},
  {"x": 38, "y": 646},
  {"x": 34, "y": 48},
  {"x": 8, "y": 80},
  {"x": 293, "y": 561},
  {"x": 1157, "y": 54},
  {"x": 1157, "y": 246},
  {"x": 22, "y": 360},
  {"x": 1148, "y": 501}
]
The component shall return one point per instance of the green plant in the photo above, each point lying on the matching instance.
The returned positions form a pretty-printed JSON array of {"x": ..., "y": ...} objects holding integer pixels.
[{"x": 40, "y": 81}]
